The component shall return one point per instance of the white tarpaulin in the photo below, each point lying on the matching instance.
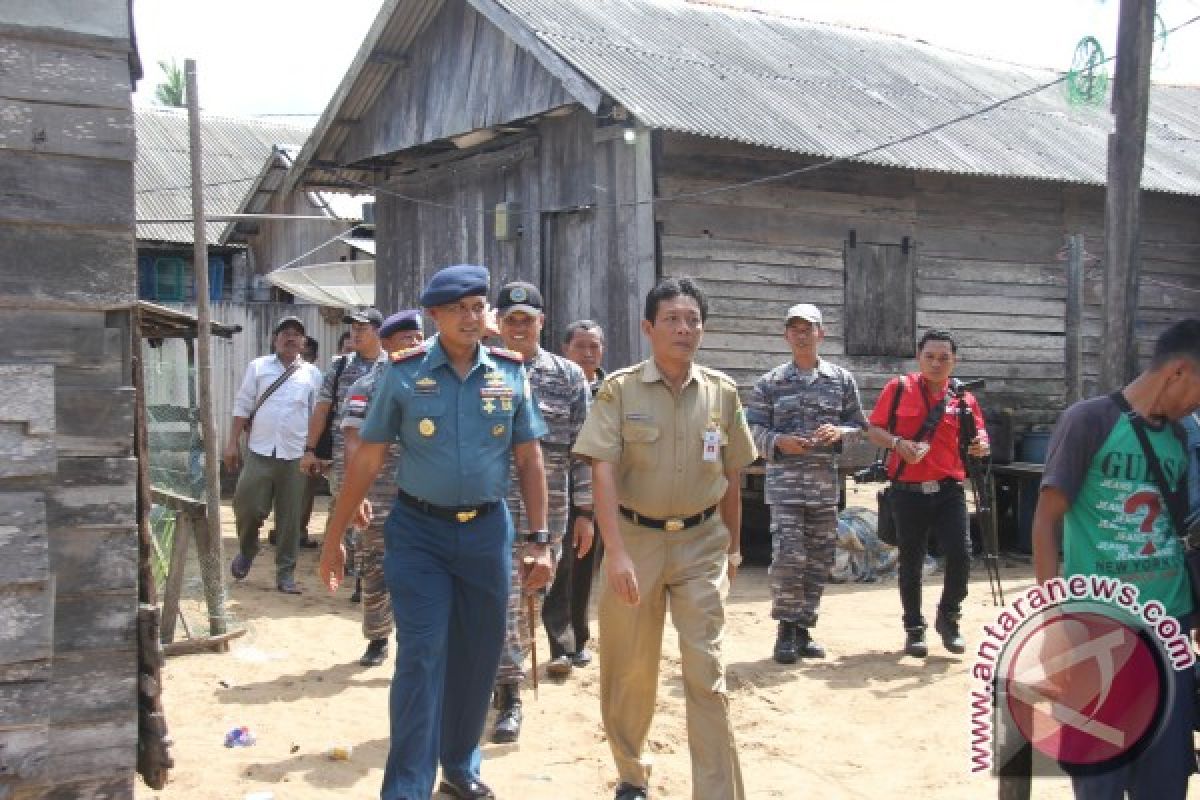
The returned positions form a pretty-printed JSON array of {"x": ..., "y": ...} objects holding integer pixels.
[{"x": 342, "y": 284}]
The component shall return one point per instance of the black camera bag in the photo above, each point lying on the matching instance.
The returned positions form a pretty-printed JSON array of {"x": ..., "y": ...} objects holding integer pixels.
[{"x": 885, "y": 525}]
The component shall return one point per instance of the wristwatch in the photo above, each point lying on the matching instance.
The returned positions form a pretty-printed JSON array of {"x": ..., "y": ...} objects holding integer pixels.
[
  {"x": 735, "y": 559},
  {"x": 538, "y": 537}
]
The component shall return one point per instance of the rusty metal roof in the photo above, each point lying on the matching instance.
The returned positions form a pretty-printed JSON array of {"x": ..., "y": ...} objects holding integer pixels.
[
  {"x": 235, "y": 152},
  {"x": 804, "y": 87}
]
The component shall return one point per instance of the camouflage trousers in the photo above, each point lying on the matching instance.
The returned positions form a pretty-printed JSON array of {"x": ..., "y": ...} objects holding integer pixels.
[
  {"x": 803, "y": 547},
  {"x": 519, "y": 638},
  {"x": 376, "y": 602}
]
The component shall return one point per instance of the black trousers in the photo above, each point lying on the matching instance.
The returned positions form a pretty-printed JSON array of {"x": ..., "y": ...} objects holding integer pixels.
[
  {"x": 565, "y": 607},
  {"x": 944, "y": 515}
]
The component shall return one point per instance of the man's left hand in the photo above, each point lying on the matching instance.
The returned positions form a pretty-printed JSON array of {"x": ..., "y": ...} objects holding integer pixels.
[
  {"x": 979, "y": 447},
  {"x": 827, "y": 434},
  {"x": 537, "y": 567},
  {"x": 731, "y": 571},
  {"x": 585, "y": 535}
]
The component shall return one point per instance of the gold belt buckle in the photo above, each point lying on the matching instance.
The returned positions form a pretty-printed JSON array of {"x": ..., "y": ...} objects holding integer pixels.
[
  {"x": 466, "y": 516},
  {"x": 673, "y": 525}
]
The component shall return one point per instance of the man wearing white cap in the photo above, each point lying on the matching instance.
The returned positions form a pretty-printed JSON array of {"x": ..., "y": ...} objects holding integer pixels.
[{"x": 800, "y": 413}]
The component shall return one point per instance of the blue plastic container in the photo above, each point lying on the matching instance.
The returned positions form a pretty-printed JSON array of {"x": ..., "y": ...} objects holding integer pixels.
[{"x": 1033, "y": 447}]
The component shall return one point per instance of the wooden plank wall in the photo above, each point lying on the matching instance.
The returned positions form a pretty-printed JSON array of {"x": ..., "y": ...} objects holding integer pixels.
[
  {"x": 280, "y": 241},
  {"x": 582, "y": 240},
  {"x": 68, "y": 537},
  {"x": 987, "y": 250},
  {"x": 463, "y": 75}
]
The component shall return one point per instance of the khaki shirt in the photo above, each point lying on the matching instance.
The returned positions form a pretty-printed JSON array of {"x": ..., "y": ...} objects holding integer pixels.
[{"x": 656, "y": 439}]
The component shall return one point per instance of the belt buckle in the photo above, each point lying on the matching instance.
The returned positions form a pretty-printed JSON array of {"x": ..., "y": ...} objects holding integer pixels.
[
  {"x": 466, "y": 516},
  {"x": 930, "y": 487},
  {"x": 673, "y": 525}
]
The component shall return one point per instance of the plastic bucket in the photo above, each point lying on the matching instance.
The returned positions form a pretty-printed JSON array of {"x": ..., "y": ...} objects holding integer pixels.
[{"x": 1033, "y": 447}]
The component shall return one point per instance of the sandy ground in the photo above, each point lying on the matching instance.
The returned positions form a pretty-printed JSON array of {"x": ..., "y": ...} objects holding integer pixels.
[{"x": 866, "y": 722}]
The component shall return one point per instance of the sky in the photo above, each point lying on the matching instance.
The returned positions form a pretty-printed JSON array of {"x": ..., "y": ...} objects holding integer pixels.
[{"x": 287, "y": 57}]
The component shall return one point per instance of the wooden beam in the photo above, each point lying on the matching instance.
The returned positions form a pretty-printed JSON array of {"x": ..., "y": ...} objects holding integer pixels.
[
  {"x": 387, "y": 59},
  {"x": 1126, "y": 153},
  {"x": 1073, "y": 354}
]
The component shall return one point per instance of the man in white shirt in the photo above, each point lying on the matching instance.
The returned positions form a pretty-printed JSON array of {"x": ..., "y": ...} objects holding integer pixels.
[{"x": 274, "y": 402}]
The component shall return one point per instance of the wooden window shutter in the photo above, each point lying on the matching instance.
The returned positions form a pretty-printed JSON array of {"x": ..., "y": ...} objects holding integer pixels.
[{"x": 880, "y": 310}]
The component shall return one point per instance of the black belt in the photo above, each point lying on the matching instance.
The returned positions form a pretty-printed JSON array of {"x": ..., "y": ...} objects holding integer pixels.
[
  {"x": 926, "y": 487},
  {"x": 671, "y": 524},
  {"x": 448, "y": 513}
]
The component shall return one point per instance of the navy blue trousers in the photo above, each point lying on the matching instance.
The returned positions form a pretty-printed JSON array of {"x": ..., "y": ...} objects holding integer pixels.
[{"x": 449, "y": 587}]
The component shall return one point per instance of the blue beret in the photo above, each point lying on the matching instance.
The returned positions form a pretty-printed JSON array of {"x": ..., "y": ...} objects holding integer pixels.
[
  {"x": 454, "y": 283},
  {"x": 409, "y": 320}
]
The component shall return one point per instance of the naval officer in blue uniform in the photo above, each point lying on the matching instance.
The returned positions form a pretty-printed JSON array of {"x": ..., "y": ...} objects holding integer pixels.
[{"x": 458, "y": 409}]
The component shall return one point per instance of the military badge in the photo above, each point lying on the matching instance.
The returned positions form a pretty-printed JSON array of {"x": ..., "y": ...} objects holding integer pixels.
[
  {"x": 519, "y": 295},
  {"x": 497, "y": 430},
  {"x": 426, "y": 427},
  {"x": 506, "y": 404},
  {"x": 426, "y": 385},
  {"x": 489, "y": 406}
]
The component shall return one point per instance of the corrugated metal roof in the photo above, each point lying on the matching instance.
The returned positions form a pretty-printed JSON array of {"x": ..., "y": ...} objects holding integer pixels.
[
  {"x": 799, "y": 86},
  {"x": 829, "y": 91},
  {"x": 237, "y": 157}
]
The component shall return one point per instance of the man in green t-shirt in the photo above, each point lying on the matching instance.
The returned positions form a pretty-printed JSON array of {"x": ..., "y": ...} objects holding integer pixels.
[{"x": 1100, "y": 499}]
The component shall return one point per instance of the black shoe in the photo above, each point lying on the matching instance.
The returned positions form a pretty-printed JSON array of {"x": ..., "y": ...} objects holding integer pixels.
[
  {"x": 309, "y": 543},
  {"x": 288, "y": 586},
  {"x": 376, "y": 654},
  {"x": 785, "y": 643},
  {"x": 627, "y": 791},
  {"x": 272, "y": 537},
  {"x": 508, "y": 721},
  {"x": 470, "y": 789},
  {"x": 357, "y": 596},
  {"x": 914, "y": 642},
  {"x": 582, "y": 658},
  {"x": 947, "y": 627},
  {"x": 806, "y": 647}
]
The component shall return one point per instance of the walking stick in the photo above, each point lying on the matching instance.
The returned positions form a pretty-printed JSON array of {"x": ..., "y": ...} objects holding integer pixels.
[{"x": 531, "y": 608}]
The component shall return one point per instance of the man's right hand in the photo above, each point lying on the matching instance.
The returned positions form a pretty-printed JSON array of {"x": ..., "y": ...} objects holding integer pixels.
[
  {"x": 232, "y": 457},
  {"x": 792, "y": 445},
  {"x": 309, "y": 463},
  {"x": 332, "y": 568},
  {"x": 622, "y": 578}
]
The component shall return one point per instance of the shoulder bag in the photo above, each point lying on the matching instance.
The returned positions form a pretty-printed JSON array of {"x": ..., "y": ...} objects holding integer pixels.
[
  {"x": 287, "y": 373},
  {"x": 324, "y": 447}
]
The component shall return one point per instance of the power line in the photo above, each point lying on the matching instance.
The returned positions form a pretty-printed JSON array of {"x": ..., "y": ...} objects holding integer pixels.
[{"x": 188, "y": 186}]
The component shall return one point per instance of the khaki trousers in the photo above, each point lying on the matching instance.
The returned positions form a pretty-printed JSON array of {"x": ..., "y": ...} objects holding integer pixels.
[{"x": 688, "y": 568}]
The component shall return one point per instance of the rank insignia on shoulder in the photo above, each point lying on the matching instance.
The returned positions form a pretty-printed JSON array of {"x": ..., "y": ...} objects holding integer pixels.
[
  {"x": 503, "y": 352},
  {"x": 405, "y": 355},
  {"x": 605, "y": 393}
]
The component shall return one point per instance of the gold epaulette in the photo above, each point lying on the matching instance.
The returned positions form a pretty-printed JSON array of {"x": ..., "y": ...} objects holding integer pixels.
[
  {"x": 503, "y": 352},
  {"x": 410, "y": 353}
]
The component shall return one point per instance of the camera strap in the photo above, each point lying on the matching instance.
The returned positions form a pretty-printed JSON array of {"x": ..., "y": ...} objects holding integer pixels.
[
  {"x": 1172, "y": 498},
  {"x": 932, "y": 418}
]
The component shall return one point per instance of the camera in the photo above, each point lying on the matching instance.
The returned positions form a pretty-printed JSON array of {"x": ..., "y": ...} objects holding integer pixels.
[{"x": 876, "y": 473}]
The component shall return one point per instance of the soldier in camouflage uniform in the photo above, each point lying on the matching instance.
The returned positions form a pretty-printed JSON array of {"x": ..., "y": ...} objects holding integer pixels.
[
  {"x": 346, "y": 369},
  {"x": 800, "y": 413},
  {"x": 400, "y": 331},
  {"x": 563, "y": 398}
]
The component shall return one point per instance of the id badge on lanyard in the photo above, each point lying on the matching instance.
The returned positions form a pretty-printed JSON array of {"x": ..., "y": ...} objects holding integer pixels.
[{"x": 712, "y": 444}]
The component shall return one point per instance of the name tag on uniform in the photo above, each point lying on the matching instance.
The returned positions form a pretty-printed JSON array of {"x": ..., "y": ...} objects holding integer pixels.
[
  {"x": 712, "y": 444},
  {"x": 426, "y": 385},
  {"x": 356, "y": 405}
]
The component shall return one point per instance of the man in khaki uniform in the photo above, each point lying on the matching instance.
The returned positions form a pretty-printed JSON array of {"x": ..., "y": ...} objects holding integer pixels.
[{"x": 667, "y": 440}]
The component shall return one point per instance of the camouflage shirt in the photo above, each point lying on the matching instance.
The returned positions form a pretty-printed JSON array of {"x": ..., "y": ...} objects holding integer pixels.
[
  {"x": 355, "y": 406},
  {"x": 563, "y": 398},
  {"x": 787, "y": 400},
  {"x": 356, "y": 367}
]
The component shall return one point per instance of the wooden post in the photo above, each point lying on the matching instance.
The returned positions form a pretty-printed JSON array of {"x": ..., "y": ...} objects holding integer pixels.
[
  {"x": 208, "y": 546},
  {"x": 1073, "y": 355},
  {"x": 173, "y": 586},
  {"x": 1126, "y": 152}
]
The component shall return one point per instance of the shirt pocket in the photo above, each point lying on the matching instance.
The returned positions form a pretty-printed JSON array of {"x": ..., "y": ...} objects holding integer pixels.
[
  {"x": 424, "y": 419},
  {"x": 640, "y": 444}
]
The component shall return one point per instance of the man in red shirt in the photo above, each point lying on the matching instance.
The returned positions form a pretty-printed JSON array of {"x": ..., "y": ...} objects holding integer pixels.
[{"x": 927, "y": 472}]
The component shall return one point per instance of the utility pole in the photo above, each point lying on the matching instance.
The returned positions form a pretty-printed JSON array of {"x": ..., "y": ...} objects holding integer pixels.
[
  {"x": 1122, "y": 213},
  {"x": 208, "y": 541}
]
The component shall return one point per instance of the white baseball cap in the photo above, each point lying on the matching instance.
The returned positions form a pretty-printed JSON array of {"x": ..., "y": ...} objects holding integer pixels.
[{"x": 806, "y": 311}]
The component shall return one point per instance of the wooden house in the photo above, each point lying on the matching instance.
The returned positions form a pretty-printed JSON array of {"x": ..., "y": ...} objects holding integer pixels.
[
  {"x": 68, "y": 529},
  {"x": 592, "y": 146}
]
